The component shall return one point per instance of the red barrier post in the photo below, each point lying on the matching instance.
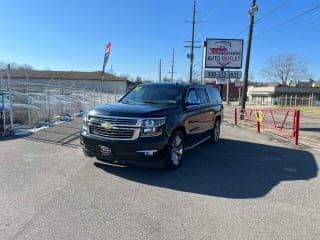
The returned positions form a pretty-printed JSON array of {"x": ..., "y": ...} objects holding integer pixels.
[
  {"x": 296, "y": 127},
  {"x": 235, "y": 116},
  {"x": 258, "y": 126}
]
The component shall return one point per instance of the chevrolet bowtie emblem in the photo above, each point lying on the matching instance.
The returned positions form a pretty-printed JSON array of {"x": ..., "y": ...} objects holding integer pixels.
[{"x": 106, "y": 125}]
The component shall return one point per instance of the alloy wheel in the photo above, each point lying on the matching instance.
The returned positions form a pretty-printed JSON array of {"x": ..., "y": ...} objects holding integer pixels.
[{"x": 176, "y": 150}]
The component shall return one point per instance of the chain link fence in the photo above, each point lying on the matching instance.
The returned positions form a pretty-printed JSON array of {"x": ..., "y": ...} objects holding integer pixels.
[{"x": 29, "y": 105}]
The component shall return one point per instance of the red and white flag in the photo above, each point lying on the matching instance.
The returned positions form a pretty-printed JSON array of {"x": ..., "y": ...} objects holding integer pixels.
[{"x": 106, "y": 56}]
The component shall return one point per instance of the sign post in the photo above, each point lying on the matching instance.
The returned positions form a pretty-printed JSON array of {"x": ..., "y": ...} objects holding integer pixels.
[{"x": 221, "y": 86}]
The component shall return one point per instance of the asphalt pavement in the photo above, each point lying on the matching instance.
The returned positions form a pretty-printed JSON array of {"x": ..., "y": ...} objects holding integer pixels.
[{"x": 249, "y": 186}]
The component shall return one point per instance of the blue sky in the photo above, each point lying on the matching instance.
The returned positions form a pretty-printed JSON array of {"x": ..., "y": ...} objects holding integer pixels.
[{"x": 71, "y": 35}]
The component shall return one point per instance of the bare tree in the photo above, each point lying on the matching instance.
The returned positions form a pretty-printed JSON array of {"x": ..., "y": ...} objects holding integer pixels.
[
  {"x": 287, "y": 69},
  {"x": 14, "y": 65}
]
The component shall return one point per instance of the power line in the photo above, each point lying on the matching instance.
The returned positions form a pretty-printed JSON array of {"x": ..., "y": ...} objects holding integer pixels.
[
  {"x": 290, "y": 19},
  {"x": 272, "y": 10},
  {"x": 286, "y": 21},
  {"x": 265, "y": 15}
]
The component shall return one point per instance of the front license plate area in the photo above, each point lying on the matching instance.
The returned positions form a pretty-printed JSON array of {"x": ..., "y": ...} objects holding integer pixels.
[{"x": 105, "y": 151}]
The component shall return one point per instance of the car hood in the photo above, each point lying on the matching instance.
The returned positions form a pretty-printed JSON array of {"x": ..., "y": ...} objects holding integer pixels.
[{"x": 133, "y": 110}]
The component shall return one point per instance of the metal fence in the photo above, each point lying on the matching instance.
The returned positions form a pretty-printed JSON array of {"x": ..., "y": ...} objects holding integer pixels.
[
  {"x": 296, "y": 101},
  {"x": 28, "y": 105},
  {"x": 285, "y": 100}
]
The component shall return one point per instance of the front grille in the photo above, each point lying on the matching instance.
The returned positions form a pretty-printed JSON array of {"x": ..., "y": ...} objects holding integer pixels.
[
  {"x": 111, "y": 133},
  {"x": 119, "y": 128}
]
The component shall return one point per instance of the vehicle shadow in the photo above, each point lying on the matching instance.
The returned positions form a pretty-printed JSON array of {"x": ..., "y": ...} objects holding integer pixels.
[
  {"x": 231, "y": 169},
  {"x": 315, "y": 129}
]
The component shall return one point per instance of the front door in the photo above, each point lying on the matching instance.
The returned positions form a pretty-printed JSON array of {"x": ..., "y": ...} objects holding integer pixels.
[{"x": 193, "y": 117}]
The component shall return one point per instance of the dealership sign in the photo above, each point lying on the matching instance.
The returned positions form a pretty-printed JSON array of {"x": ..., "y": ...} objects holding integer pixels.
[{"x": 223, "y": 53}]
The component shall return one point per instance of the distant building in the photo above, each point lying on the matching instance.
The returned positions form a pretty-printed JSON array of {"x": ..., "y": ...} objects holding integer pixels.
[
  {"x": 274, "y": 95},
  {"x": 75, "y": 79}
]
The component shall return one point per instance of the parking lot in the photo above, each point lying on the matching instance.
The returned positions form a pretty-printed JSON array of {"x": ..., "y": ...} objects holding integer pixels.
[{"x": 249, "y": 186}]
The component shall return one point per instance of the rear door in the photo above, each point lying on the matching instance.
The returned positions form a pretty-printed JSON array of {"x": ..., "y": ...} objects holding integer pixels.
[
  {"x": 207, "y": 115},
  {"x": 215, "y": 99}
]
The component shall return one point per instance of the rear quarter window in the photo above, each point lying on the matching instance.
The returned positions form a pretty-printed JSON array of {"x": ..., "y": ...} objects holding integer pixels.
[
  {"x": 214, "y": 95},
  {"x": 204, "y": 98}
]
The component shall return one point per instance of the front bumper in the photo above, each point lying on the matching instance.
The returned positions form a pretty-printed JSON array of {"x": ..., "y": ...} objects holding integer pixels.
[{"x": 142, "y": 151}]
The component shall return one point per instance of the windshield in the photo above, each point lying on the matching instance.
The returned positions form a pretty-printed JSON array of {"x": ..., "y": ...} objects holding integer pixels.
[{"x": 154, "y": 94}]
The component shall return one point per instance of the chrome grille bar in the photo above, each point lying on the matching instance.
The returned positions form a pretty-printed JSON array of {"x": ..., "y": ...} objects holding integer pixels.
[
  {"x": 119, "y": 128},
  {"x": 114, "y": 120}
]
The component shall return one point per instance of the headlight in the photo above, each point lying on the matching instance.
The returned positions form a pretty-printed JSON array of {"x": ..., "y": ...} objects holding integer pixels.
[
  {"x": 151, "y": 127},
  {"x": 85, "y": 121},
  {"x": 153, "y": 122}
]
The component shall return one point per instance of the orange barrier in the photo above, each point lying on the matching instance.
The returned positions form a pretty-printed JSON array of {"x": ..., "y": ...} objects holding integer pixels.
[{"x": 277, "y": 119}]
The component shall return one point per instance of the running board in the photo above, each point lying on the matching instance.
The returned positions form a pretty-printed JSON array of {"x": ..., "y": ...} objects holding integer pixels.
[{"x": 203, "y": 140}]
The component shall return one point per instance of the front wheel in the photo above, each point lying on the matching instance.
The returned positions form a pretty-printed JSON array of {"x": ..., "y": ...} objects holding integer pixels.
[{"x": 175, "y": 150}]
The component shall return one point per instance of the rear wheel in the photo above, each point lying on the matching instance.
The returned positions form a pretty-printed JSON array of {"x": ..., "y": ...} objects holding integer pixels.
[
  {"x": 215, "y": 135},
  {"x": 175, "y": 150}
]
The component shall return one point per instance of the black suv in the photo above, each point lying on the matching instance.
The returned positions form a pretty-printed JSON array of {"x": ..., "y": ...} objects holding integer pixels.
[{"x": 153, "y": 123}]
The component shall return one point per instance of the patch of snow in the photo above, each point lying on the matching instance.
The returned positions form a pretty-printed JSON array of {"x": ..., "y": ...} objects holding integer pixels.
[{"x": 22, "y": 133}]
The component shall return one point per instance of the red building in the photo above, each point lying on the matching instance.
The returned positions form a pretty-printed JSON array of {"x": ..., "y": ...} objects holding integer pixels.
[{"x": 233, "y": 91}]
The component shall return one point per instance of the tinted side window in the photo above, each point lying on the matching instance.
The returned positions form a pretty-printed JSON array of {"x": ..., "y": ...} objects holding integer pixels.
[
  {"x": 214, "y": 95},
  {"x": 204, "y": 98},
  {"x": 192, "y": 97}
]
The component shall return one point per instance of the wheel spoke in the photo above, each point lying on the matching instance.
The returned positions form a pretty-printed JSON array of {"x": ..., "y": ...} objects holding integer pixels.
[
  {"x": 174, "y": 157},
  {"x": 180, "y": 151},
  {"x": 217, "y": 132},
  {"x": 177, "y": 141}
]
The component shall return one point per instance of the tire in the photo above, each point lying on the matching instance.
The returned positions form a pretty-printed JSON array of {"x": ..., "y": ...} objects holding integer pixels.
[
  {"x": 215, "y": 136},
  {"x": 175, "y": 150}
]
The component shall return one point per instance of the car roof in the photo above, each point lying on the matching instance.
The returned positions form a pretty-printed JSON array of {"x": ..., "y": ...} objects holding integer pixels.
[{"x": 183, "y": 84}]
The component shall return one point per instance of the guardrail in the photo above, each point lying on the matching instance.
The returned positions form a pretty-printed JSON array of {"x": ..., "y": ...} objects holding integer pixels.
[{"x": 286, "y": 121}]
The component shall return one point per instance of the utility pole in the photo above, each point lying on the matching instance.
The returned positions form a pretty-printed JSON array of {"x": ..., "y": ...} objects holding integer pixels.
[
  {"x": 191, "y": 55},
  {"x": 192, "y": 40},
  {"x": 172, "y": 66},
  {"x": 252, "y": 12},
  {"x": 204, "y": 47},
  {"x": 160, "y": 70}
]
